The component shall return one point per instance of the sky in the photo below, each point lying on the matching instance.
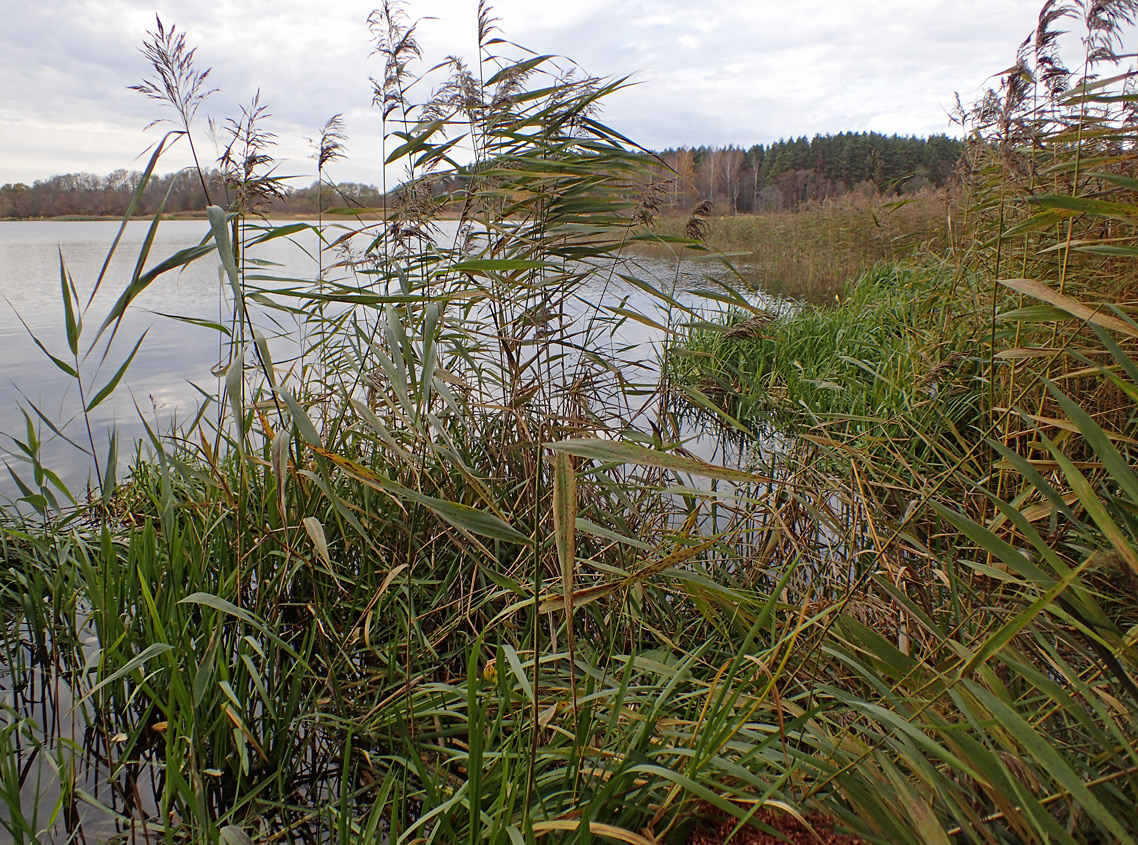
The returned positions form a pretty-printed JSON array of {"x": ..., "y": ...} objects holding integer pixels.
[{"x": 714, "y": 73}]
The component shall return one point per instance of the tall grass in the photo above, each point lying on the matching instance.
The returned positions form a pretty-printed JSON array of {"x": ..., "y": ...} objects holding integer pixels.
[
  {"x": 812, "y": 253},
  {"x": 895, "y": 346},
  {"x": 416, "y": 588},
  {"x": 966, "y": 663},
  {"x": 458, "y": 577}
]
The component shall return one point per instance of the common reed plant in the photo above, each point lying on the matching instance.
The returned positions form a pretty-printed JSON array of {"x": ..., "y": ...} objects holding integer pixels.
[
  {"x": 418, "y": 589},
  {"x": 983, "y": 623},
  {"x": 461, "y": 578}
]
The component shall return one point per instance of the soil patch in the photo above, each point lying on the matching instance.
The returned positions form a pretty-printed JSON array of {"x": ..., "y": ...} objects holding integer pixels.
[{"x": 716, "y": 830}]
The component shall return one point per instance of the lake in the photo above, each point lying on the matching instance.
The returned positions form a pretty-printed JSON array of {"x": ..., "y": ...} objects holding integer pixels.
[
  {"x": 157, "y": 384},
  {"x": 177, "y": 359},
  {"x": 176, "y": 364}
]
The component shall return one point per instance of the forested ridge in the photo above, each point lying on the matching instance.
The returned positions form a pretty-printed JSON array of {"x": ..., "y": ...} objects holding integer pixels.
[
  {"x": 783, "y": 175},
  {"x": 763, "y": 178}
]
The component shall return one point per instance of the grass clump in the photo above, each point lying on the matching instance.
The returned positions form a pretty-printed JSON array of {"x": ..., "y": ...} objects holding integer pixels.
[{"x": 892, "y": 361}]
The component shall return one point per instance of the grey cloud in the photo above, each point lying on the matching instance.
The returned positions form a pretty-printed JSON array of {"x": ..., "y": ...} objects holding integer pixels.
[{"x": 727, "y": 71}]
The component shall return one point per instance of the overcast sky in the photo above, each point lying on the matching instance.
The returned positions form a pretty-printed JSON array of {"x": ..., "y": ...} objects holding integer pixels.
[{"x": 718, "y": 72}]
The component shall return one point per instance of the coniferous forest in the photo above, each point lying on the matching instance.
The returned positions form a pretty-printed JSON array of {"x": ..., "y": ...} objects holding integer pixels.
[{"x": 784, "y": 175}]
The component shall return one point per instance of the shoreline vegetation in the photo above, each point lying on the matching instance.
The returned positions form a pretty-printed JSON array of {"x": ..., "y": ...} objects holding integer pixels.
[
  {"x": 452, "y": 572},
  {"x": 809, "y": 254}
]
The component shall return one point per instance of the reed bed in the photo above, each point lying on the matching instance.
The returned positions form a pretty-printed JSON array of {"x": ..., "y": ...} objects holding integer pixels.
[
  {"x": 411, "y": 585},
  {"x": 452, "y": 574},
  {"x": 812, "y": 253},
  {"x": 976, "y": 412}
]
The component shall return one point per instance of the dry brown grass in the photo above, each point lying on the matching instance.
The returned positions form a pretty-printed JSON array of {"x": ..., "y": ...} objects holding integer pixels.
[{"x": 812, "y": 253}]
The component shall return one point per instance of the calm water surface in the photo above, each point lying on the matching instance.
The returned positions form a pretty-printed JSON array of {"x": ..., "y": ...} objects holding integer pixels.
[
  {"x": 175, "y": 355},
  {"x": 171, "y": 354}
]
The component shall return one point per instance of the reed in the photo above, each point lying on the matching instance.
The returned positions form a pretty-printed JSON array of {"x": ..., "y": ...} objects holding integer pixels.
[
  {"x": 962, "y": 669},
  {"x": 812, "y": 253},
  {"x": 458, "y": 578},
  {"x": 297, "y": 595}
]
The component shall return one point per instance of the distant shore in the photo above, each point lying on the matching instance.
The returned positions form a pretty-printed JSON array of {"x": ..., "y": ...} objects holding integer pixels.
[
  {"x": 181, "y": 215},
  {"x": 194, "y": 215}
]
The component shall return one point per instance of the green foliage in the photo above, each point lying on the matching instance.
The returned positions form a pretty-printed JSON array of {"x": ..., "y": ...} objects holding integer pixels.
[
  {"x": 893, "y": 363},
  {"x": 978, "y": 666},
  {"x": 450, "y": 574},
  {"x": 295, "y": 597}
]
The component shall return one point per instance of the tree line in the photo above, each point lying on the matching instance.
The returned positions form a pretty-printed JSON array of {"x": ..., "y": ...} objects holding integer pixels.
[
  {"x": 775, "y": 177},
  {"x": 88, "y": 195},
  {"x": 783, "y": 175}
]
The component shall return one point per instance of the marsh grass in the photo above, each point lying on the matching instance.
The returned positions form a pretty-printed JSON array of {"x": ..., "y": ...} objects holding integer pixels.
[
  {"x": 895, "y": 341},
  {"x": 963, "y": 665},
  {"x": 457, "y": 577},
  {"x": 297, "y": 595},
  {"x": 812, "y": 253}
]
